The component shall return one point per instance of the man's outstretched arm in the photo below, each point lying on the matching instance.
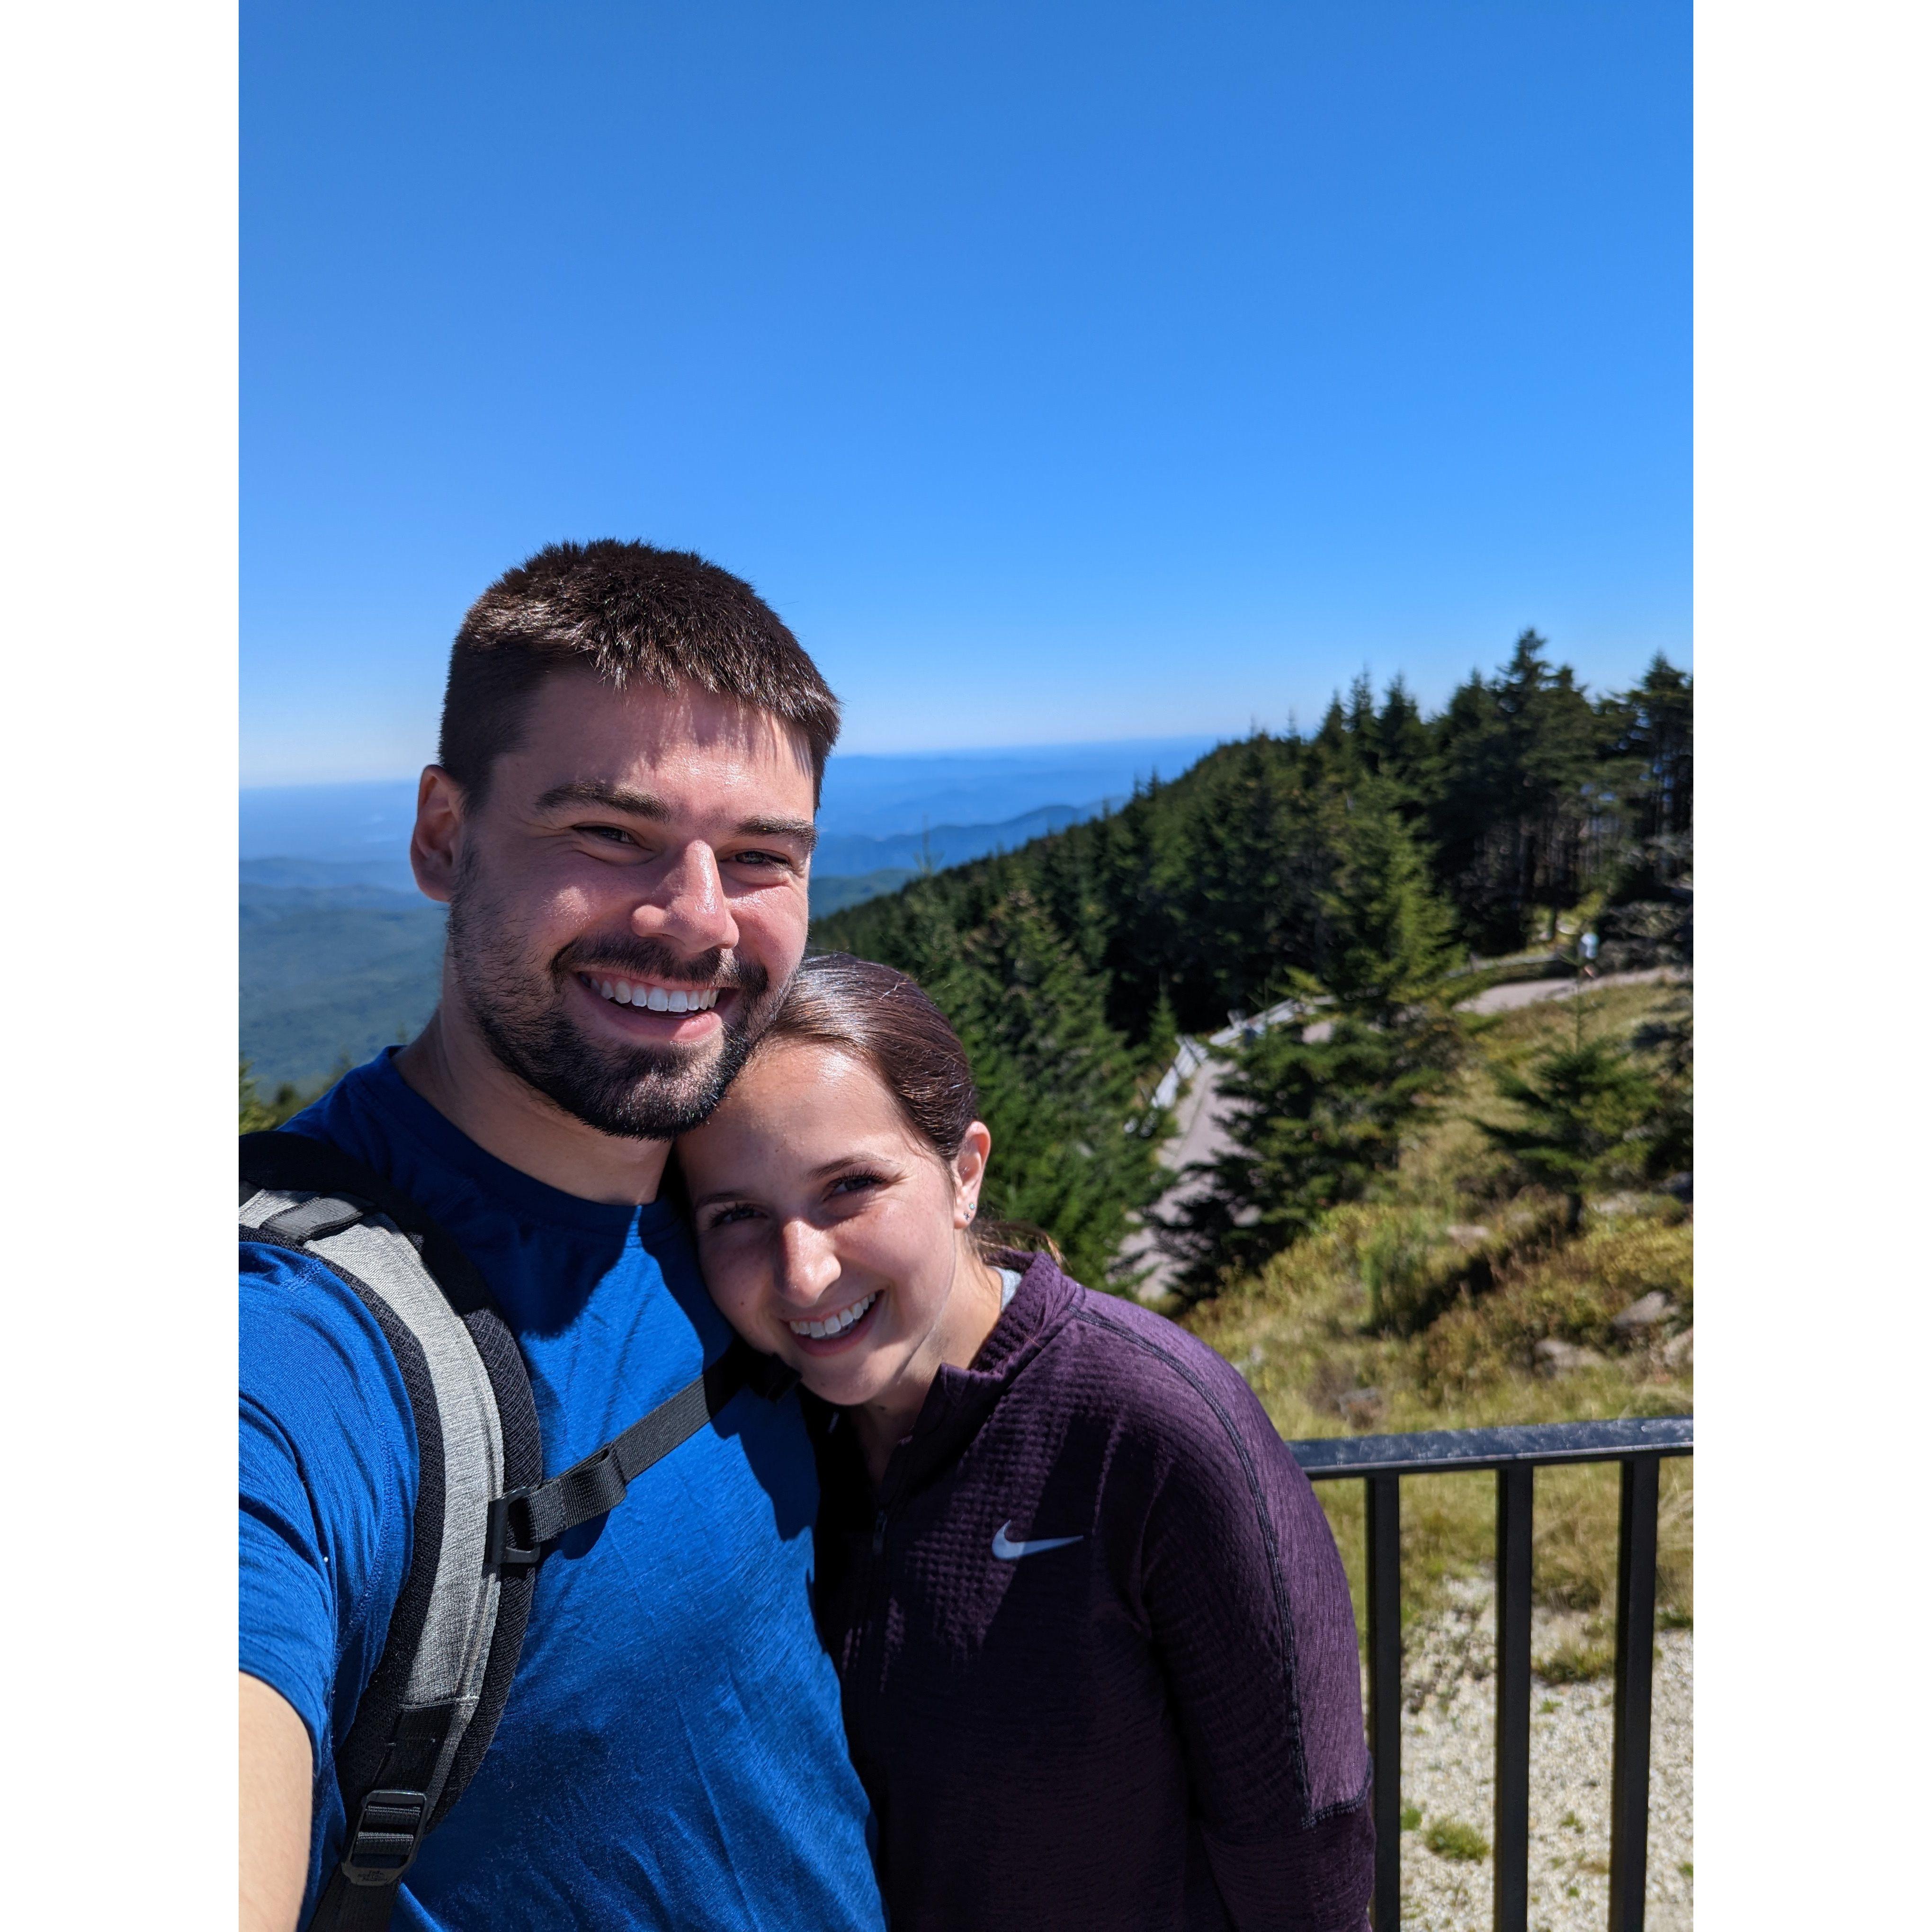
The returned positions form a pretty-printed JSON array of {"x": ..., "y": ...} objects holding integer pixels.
[{"x": 276, "y": 1775}]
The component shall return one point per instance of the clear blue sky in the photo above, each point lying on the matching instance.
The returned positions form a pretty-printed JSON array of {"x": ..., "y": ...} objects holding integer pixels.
[{"x": 1059, "y": 371}]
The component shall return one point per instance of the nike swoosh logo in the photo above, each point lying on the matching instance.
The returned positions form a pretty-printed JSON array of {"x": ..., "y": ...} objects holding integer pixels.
[{"x": 1008, "y": 1551}]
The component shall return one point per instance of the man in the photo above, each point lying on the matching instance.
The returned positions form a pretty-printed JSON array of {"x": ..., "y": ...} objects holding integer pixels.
[{"x": 620, "y": 821}]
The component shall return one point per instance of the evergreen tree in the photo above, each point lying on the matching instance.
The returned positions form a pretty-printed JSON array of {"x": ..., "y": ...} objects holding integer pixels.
[
  {"x": 1056, "y": 1084},
  {"x": 1522, "y": 815},
  {"x": 1392, "y": 935},
  {"x": 1584, "y": 1108},
  {"x": 1320, "y": 1109},
  {"x": 1651, "y": 741},
  {"x": 1319, "y": 1116}
]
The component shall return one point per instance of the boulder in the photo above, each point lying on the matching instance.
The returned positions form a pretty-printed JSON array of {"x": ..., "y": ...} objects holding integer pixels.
[
  {"x": 1611, "y": 1206},
  {"x": 1467, "y": 1235},
  {"x": 1555, "y": 1357},
  {"x": 1362, "y": 1407},
  {"x": 1677, "y": 1351},
  {"x": 1646, "y": 1312}
]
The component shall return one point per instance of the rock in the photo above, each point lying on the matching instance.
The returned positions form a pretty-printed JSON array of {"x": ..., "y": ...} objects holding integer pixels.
[
  {"x": 1678, "y": 1184},
  {"x": 1467, "y": 1234},
  {"x": 1555, "y": 1357},
  {"x": 1646, "y": 1312},
  {"x": 1362, "y": 1406},
  {"x": 1677, "y": 1351},
  {"x": 1612, "y": 1206}
]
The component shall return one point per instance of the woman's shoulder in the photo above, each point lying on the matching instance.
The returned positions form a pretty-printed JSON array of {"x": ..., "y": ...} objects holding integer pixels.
[{"x": 1139, "y": 1371}]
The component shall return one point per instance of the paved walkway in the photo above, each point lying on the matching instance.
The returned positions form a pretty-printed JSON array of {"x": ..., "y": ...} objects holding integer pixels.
[{"x": 1201, "y": 1133}]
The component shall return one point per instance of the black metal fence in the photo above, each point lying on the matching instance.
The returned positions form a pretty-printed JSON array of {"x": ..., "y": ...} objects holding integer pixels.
[{"x": 1381, "y": 1461}]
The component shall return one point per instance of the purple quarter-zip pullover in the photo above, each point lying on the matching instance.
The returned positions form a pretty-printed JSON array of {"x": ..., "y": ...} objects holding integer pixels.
[{"x": 1098, "y": 1660}]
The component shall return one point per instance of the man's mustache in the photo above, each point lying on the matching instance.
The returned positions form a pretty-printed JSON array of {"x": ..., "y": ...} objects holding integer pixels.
[{"x": 630, "y": 957}]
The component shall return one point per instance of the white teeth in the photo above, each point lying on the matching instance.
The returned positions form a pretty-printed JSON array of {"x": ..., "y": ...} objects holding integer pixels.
[
  {"x": 833, "y": 1324},
  {"x": 658, "y": 999}
]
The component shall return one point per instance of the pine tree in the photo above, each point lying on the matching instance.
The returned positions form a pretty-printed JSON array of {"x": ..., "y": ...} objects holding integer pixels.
[
  {"x": 1319, "y": 1116},
  {"x": 1392, "y": 941},
  {"x": 1322, "y": 1108},
  {"x": 1584, "y": 1107},
  {"x": 1056, "y": 1084}
]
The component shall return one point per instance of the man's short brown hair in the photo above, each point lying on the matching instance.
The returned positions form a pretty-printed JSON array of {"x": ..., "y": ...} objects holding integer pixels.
[{"x": 622, "y": 611}]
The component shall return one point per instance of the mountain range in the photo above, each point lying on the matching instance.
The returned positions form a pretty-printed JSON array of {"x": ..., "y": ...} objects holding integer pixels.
[{"x": 340, "y": 953}]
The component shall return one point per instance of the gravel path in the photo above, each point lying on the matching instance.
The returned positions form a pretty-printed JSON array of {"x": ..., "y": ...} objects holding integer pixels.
[{"x": 1448, "y": 1773}]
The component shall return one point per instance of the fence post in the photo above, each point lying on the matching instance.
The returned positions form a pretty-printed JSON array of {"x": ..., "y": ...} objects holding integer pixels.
[
  {"x": 1629, "y": 1758},
  {"x": 1515, "y": 1502},
  {"x": 1385, "y": 1553}
]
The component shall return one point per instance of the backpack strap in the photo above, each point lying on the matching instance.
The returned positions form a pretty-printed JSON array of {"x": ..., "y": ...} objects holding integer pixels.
[
  {"x": 430, "y": 1706},
  {"x": 485, "y": 1517},
  {"x": 524, "y": 1523}
]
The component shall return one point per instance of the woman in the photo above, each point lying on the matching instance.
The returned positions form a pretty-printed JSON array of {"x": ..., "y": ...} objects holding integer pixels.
[{"x": 1098, "y": 1660}]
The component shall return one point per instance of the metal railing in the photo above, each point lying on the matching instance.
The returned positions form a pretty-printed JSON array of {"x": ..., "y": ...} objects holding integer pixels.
[{"x": 1381, "y": 1461}]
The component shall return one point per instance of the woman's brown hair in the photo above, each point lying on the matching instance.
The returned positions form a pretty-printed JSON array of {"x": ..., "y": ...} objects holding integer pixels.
[{"x": 885, "y": 1019}]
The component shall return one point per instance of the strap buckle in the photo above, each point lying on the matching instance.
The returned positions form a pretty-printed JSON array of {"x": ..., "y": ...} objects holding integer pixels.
[
  {"x": 508, "y": 1543},
  {"x": 389, "y": 1831}
]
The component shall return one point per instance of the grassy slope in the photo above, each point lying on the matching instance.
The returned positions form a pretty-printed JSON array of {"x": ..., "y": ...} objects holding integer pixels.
[{"x": 1303, "y": 1334}]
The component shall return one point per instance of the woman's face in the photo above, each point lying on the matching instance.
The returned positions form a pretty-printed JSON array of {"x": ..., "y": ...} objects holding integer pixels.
[{"x": 830, "y": 1233}]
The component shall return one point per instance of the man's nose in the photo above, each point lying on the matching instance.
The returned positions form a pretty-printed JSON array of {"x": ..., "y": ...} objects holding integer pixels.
[
  {"x": 808, "y": 1262},
  {"x": 689, "y": 909}
]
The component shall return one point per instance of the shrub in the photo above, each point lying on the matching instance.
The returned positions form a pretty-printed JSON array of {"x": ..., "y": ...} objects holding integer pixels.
[
  {"x": 1582, "y": 1660},
  {"x": 1451, "y": 1838}
]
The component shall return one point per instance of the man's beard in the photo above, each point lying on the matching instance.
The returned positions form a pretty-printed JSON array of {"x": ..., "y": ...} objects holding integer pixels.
[{"x": 643, "y": 1092}]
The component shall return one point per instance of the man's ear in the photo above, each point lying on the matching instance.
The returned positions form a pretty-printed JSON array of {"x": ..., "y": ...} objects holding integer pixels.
[
  {"x": 969, "y": 1171},
  {"x": 436, "y": 845}
]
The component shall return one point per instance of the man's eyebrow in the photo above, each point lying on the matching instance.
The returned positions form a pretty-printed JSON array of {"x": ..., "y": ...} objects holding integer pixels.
[
  {"x": 802, "y": 829},
  {"x": 612, "y": 797},
  {"x": 648, "y": 805}
]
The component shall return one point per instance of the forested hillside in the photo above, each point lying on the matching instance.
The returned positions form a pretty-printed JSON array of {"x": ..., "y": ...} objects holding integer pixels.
[{"x": 1352, "y": 866}]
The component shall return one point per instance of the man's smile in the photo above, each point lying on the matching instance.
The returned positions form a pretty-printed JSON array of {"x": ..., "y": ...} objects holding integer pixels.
[
  {"x": 655, "y": 1010},
  {"x": 660, "y": 999}
]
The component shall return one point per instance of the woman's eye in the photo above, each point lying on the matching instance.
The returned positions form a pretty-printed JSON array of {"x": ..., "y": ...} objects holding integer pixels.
[
  {"x": 724, "y": 1216},
  {"x": 856, "y": 1183},
  {"x": 613, "y": 834}
]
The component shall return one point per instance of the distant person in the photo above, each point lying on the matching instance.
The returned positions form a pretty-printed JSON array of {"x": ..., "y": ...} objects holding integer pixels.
[
  {"x": 1098, "y": 1659},
  {"x": 620, "y": 820}
]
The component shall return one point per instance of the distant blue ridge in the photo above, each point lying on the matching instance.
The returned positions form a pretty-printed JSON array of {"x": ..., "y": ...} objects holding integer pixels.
[
  {"x": 869, "y": 797},
  {"x": 340, "y": 954}
]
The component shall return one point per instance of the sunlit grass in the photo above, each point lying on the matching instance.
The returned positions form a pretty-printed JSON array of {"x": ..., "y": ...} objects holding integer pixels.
[{"x": 1422, "y": 1310}]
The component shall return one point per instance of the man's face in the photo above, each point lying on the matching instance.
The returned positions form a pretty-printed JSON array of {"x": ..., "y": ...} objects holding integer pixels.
[{"x": 630, "y": 898}]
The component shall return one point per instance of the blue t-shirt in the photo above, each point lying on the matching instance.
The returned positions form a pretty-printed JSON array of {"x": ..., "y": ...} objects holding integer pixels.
[{"x": 671, "y": 1754}]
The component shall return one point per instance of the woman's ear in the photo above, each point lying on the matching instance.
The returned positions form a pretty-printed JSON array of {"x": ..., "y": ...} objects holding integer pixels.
[{"x": 969, "y": 1170}]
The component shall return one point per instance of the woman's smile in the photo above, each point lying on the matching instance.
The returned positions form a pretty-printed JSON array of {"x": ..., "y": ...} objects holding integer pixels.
[{"x": 843, "y": 1328}]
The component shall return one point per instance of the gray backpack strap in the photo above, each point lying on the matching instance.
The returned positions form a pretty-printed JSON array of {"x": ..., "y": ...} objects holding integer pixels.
[
  {"x": 484, "y": 1517},
  {"x": 427, "y": 1711}
]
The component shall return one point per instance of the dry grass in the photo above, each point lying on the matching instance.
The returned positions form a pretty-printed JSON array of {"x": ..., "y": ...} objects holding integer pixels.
[{"x": 1423, "y": 1310}]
